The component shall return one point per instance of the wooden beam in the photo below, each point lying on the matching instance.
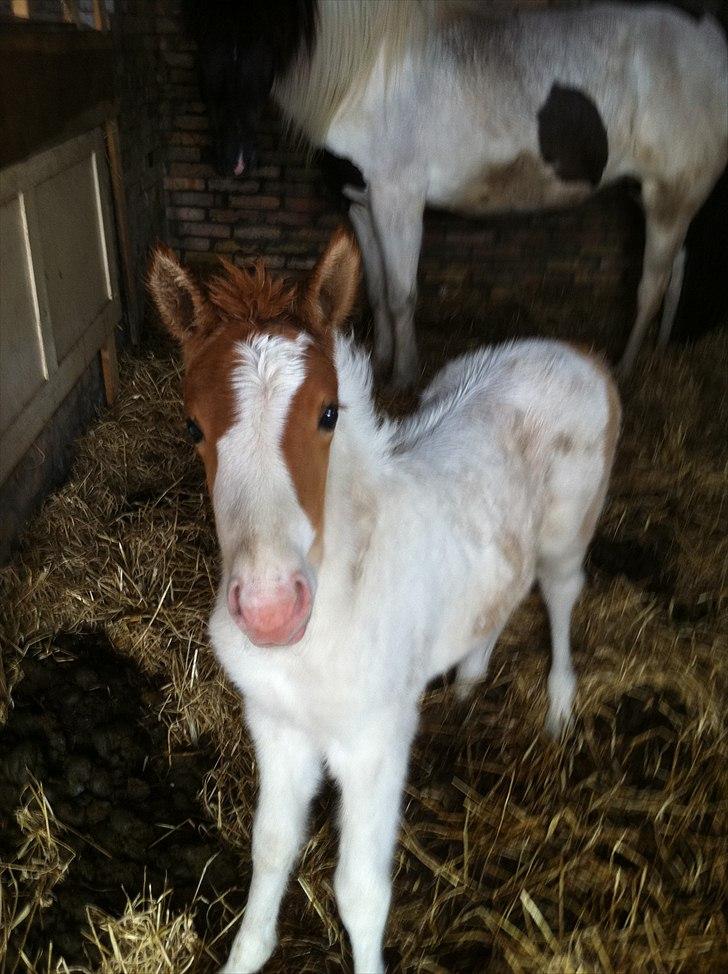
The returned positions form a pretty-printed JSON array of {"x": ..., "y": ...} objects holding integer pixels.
[
  {"x": 101, "y": 17},
  {"x": 113, "y": 152},
  {"x": 110, "y": 368}
]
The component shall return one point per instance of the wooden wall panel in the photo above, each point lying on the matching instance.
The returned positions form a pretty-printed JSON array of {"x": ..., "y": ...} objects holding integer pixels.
[
  {"x": 60, "y": 302},
  {"x": 73, "y": 251}
]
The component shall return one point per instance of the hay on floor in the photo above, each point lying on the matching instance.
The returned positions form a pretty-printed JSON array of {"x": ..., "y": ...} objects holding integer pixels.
[{"x": 606, "y": 852}]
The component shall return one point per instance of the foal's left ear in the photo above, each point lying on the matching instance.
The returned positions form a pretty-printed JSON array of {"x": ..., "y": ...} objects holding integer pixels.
[{"x": 332, "y": 287}]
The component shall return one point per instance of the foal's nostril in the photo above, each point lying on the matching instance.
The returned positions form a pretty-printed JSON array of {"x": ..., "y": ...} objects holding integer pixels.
[
  {"x": 233, "y": 599},
  {"x": 302, "y": 590}
]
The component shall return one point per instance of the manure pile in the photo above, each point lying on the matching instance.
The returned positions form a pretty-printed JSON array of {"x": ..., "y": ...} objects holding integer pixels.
[{"x": 607, "y": 852}]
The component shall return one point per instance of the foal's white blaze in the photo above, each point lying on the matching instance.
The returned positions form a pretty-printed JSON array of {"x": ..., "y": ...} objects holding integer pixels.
[{"x": 265, "y": 535}]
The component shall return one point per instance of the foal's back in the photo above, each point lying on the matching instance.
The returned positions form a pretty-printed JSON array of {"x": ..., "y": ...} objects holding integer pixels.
[{"x": 544, "y": 403}]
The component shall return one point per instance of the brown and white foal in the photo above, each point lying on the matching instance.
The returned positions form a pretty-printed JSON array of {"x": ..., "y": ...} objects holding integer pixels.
[{"x": 362, "y": 558}]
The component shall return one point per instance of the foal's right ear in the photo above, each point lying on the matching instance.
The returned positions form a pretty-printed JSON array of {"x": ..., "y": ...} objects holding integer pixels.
[{"x": 178, "y": 298}]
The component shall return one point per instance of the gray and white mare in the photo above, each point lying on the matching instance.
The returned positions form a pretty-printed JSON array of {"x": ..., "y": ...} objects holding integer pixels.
[{"x": 476, "y": 111}]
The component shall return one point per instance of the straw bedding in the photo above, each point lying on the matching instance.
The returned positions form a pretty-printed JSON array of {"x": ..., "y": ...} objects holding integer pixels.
[{"x": 606, "y": 852}]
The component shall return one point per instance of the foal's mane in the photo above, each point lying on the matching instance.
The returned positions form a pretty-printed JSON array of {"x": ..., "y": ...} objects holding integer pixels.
[
  {"x": 250, "y": 294},
  {"x": 335, "y": 67}
]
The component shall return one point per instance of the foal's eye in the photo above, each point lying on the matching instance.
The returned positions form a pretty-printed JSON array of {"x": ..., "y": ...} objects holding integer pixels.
[
  {"x": 194, "y": 431},
  {"x": 329, "y": 417}
]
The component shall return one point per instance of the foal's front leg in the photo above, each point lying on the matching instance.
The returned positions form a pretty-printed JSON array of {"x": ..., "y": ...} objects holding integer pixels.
[
  {"x": 371, "y": 775},
  {"x": 290, "y": 771}
]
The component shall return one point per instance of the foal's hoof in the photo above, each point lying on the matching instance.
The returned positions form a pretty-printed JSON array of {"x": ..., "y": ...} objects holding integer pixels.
[
  {"x": 249, "y": 953},
  {"x": 557, "y": 725}
]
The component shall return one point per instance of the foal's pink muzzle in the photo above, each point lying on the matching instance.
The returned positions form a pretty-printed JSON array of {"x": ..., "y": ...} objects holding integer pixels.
[{"x": 278, "y": 617}]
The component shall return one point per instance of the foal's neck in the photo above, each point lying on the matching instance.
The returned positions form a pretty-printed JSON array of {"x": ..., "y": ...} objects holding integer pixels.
[{"x": 360, "y": 454}]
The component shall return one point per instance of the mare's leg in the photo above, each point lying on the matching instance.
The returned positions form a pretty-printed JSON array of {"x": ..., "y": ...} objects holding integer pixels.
[
  {"x": 361, "y": 219},
  {"x": 371, "y": 772},
  {"x": 397, "y": 215},
  {"x": 665, "y": 229},
  {"x": 474, "y": 666},
  {"x": 290, "y": 771},
  {"x": 672, "y": 298},
  {"x": 561, "y": 581}
]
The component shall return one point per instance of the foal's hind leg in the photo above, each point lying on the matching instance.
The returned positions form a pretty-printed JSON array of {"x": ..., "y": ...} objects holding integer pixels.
[
  {"x": 561, "y": 581},
  {"x": 361, "y": 219},
  {"x": 474, "y": 666},
  {"x": 664, "y": 236}
]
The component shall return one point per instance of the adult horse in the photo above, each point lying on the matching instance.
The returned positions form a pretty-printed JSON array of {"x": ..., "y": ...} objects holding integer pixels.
[{"x": 479, "y": 109}]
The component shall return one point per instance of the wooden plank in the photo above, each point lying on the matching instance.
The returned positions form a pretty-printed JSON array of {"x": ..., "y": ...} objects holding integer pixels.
[
  {"x": 101, "y": 17},
  {"x": 55, "y": 82},
  {"x": 110, "y": 368},
  {"x": 113, "y": 152}
]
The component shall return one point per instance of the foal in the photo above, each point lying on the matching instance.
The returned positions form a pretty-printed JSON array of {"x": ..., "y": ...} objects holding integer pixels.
[{"x": 362, "y": 557}]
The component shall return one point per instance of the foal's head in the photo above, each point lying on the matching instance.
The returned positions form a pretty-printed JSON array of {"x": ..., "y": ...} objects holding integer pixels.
[{"x": 261, "y": 396}]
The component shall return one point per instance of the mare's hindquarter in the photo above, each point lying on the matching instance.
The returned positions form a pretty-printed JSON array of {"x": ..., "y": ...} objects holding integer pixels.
[{"x": 502, "y": 471}]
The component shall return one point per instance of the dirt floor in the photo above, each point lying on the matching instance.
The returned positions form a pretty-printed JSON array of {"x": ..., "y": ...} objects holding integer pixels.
[{"x": 127, "y": 781}]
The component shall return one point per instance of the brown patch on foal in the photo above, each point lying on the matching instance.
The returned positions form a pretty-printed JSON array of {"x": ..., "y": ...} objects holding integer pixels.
[
  {"x": 564, "y": 443},
  {"x": 496, "y": 613},
  {"x": 305, "y": 446}
]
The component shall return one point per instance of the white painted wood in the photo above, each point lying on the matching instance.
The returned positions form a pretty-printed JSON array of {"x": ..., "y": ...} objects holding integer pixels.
[
  {"x": 23, "y": 369},
  {"x": 59, "y": 293}
]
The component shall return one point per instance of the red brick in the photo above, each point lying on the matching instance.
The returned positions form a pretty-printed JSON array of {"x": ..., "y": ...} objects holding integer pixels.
[
  {"x": 183, "y": 183},
  {"x": 225, "y": 216},
  {"x": 257, "y": 233},
  {"x": 305, "y": 204},
  {"x": 204, "y": 229},
  {"x": 185, "y": 213},
  {"x": 192, "y": 199},
  {"x": 225, "y": 246},
  {"x": 219, "y": 184},
  {"x": 288, "y": 219},
  {"x": 195, "y": 243},
  {"x": 256, "y": 202},
  {"x": 267, "y": 172}
]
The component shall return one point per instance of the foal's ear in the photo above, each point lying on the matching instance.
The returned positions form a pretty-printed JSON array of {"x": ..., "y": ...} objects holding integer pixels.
[
  {"x": 332, "y": 287},
  {"x": 178, "y": 298}
]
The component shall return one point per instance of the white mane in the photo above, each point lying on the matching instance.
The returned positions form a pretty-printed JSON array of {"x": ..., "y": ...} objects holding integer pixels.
[{"x": 349, "y": 39}]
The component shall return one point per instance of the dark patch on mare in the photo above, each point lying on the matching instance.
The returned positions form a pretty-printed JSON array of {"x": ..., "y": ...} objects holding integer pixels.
[{"x": 571, "y": 135}]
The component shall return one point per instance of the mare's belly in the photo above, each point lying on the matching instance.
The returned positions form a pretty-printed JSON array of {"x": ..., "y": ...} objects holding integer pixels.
[{"x": 524, "y": 183}]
